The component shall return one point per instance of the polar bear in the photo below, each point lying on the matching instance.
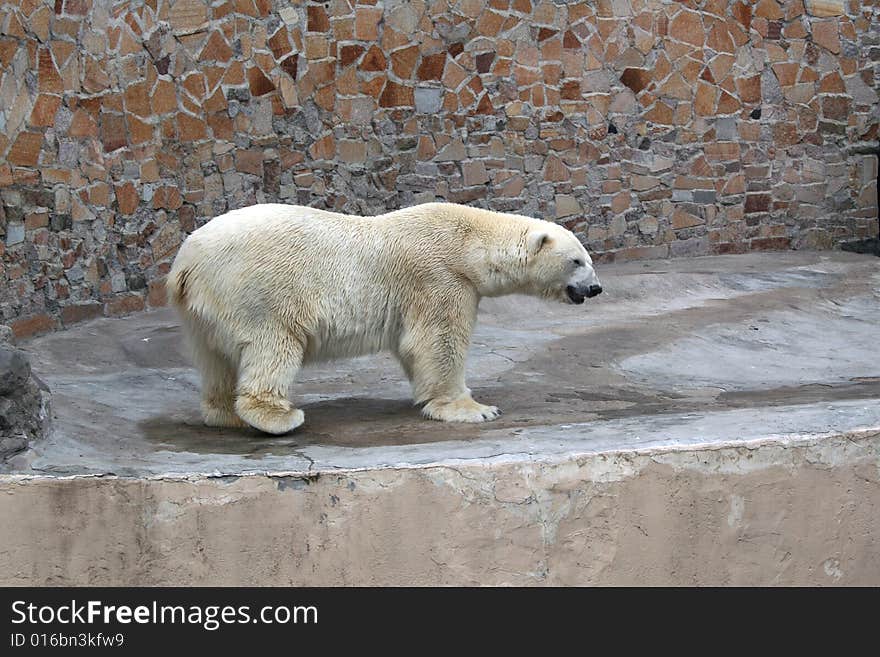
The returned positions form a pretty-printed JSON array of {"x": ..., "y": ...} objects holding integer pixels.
[{"x": 265, "y": 289}]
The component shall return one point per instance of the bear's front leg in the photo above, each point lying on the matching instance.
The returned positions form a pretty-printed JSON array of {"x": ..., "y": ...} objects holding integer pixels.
[
  {"x": 433, "y": 356},
  {"x": 266, "y": 371}
]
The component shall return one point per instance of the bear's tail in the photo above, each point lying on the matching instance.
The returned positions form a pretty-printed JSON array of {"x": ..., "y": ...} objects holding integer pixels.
[{"x": 176, "y": 286}]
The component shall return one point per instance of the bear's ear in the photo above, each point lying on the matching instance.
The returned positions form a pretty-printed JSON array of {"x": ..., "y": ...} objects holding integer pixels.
[{"x": 536, "y": 241}]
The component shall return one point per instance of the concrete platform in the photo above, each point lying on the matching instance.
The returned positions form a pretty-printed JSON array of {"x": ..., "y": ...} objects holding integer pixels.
[{"x": 705, "y": 421}]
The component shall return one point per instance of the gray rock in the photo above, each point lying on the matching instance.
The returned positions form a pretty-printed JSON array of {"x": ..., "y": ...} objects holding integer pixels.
[
  {"x": 690, "y": 247},
  {"x": 770, "y": 90},
  {"x": 860, "y": 92},
  {"x": 453, "y": 151},
  {"x": 428, "y": 99},
  {"x": 14, "y": 234},
  {"x": 68, "y": 153},
  {"x": 725, "y": 129},
  {"x": 24, "y": 403},
  {"x": 14, "y": 369}
]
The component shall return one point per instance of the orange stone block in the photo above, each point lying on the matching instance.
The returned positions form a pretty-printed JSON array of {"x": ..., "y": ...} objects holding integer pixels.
[
  {"x": 786, "y": 73},
  {"x": 127, "y": 198},
  {"x": 324, "y": 148},
  {"x": 676, "y": 87},
  {"x": 453, "y": 75},
  {"x": 727, "y": 104},
  {"x": 403, "y": 62},
  {"x": 832, "y": 84},
  {"x": 48, "y": 78},
  {"x": 234, "y": 74},
  {"x": 164, "y": 98},
  {"x": 217, "y": 49},
  {"x": 432, "y": 67},
  {"x": 366, "y": 23},
  {"x": 704, "y": 100},
  {"x": 723, "y": 151},
  {"x": 32, "y": 325},
  {"x": 555, "y": 169},
  {"x": 661, "y": 113},
  {"x": 325, "y": 97},
  {"x": 349, "y": 54},
  {"x": 113, "y": 132},
  {"x": 682, "y": 219},
  {"x": 687, "y": 27},
  {"x": 317, "y": 19},
  {"x": 96, "y": 78},
  {"x": 489, "y": 24},
  {"x": 215, "y": 102},
  {"x": 156, "y": 293},
  {"x": 373, "y": 87},
  {"x": 221, "y": 126},
  {"x": 258, "y": 82},
  {"x": 374, "y": 60},
  {"x": 719, "y": 38},
  {"x": 137, "y": 99},
  {"x": 140, "y": 131},
  {"x": 190, "y": 128},
  {"x": 826, "y": 33},
  {"x": 742, "y": 12},
  {"x": 194, "y": 83},
  {"x": 636, "y": 78},
  {"x": 83, "y": 125},
  {"x": 396, "y": 95},
  {"x": 249, "y": 161},
  {"x": 125, "y": 304},
  {"x": 749, "y": 89},
  {"x": 279, "y": 43},
  {"x": 43, "y": 114},
  {"x": 167, "y": 197}
]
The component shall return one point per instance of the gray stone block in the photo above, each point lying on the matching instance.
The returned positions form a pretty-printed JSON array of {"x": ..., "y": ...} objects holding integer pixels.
[
  {"x": 428, "y": 99},
  {"x": 14, "y": 369},
  {"x": 24, "y": 403},
  {"x": 14, "y": 234}
]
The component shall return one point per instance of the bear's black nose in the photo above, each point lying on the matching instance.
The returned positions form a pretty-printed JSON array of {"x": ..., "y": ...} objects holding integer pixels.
[{"x": 594, "y": 290}]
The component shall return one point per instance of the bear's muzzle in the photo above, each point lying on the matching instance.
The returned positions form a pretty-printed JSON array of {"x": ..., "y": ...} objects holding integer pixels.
[{"x": 578, "y": 294}]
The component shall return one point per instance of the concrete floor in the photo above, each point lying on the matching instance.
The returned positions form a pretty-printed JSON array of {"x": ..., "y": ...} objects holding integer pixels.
[
  {"x": 675, "y": 353},
  {"x": 705, "y": 421}
]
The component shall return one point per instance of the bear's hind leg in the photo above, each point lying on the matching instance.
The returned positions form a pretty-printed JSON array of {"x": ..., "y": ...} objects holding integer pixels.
[
  {"x": 218, "y": 384},
  {"x": 266, "y": 370}
]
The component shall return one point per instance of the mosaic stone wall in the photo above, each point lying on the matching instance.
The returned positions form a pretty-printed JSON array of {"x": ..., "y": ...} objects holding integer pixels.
[{"x": 651, "y": 128}]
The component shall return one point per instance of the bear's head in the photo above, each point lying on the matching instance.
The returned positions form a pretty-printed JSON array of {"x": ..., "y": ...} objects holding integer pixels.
[{"x": 558, "y": 266}]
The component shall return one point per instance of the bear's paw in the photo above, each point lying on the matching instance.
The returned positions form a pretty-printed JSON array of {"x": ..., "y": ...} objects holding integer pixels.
[
  {"x": 215, "y": 416},
  {"x": 275, "y": 416},
  {"x": 460, "y": 410}
]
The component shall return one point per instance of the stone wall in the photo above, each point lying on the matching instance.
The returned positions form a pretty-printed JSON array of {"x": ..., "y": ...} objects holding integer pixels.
[{"x": 651, "y": 128}]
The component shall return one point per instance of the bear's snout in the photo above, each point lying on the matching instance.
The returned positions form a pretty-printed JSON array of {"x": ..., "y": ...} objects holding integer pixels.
[{"x": 578, "y": 294}]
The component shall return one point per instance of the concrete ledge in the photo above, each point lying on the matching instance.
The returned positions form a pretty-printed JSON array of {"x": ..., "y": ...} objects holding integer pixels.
[{"x": 789, "y": 510}]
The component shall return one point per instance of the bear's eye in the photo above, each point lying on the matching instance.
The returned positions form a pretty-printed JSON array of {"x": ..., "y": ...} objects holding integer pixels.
[{"x": 578, "y": 262}]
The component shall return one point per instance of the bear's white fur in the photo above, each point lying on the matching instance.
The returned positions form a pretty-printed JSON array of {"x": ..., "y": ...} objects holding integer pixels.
[{"x": 264, "y": 289}]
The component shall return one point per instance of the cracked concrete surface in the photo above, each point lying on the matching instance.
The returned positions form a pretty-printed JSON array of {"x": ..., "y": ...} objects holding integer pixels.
[{"x": 711, "y": 420}]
